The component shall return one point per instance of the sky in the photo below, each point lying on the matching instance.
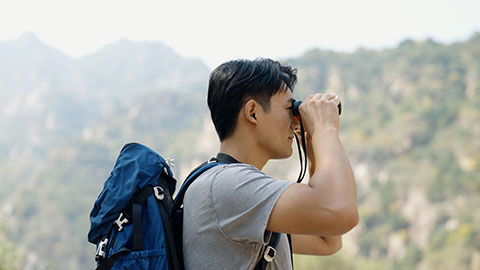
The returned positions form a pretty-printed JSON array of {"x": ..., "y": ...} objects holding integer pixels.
[{"x": 217, "y": 31}]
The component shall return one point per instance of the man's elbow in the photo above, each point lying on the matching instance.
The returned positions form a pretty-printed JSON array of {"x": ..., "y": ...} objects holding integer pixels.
[
  {"x": 346, "y": 219},
  {"x": 334, "y": 248},
  {"x": 350, "y": 219}
]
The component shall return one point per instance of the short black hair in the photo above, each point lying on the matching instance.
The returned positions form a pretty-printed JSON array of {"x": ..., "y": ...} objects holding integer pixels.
[{"x": 235, "y": 82}]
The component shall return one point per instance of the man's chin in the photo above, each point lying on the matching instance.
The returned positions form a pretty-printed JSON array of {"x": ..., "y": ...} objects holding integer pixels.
[{"x": 283, "y": 155}]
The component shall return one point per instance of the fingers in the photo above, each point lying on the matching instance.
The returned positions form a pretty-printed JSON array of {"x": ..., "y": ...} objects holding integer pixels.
[
  {"x": 337, "y": 100},
  {"x": 329, "y": 96},
  {"x": 320, "y": 111},
  {"x": 326, "y": 97}
]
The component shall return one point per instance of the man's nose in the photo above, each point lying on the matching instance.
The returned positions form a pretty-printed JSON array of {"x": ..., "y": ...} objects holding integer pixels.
[{"x": 295, "y": 123}]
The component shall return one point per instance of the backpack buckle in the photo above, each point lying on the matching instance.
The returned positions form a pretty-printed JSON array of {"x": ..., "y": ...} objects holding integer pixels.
[
  {"x": 269, "y": 254},
  {"x": 170, "y": 162},
  {"x": 120, "y": 221},
  {"x": 101, "y": 250},
  {"x": 159, "y": 193}
]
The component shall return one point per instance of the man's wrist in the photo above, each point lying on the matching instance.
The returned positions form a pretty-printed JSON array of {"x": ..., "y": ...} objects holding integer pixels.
[{"x": 321, "y": 133}]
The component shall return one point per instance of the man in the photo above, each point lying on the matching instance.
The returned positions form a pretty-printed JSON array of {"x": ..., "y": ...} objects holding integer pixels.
[{"x": 231, "y": 210}]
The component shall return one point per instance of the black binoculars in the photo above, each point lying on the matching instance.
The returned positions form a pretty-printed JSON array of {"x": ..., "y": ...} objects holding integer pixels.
[
  {"x": 303, "y": 161},
  {"x": 296, "y": 104}
]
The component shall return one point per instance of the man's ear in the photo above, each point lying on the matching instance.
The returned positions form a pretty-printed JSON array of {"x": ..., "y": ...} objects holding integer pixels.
[{"x": 250, "y": 109}]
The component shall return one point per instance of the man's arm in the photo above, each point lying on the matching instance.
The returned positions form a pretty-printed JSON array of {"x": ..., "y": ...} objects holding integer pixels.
[
  {"x": 327, "y": 206},
  {"x": 315, "y": 244}
]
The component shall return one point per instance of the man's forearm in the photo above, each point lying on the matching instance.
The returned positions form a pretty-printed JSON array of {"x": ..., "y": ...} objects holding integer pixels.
[
  {"x": 332, "y": 174},
  {"x": 310, "y": 156},
  {"x": 334, "y": 242},
  {"x": 315, "y": 244}
]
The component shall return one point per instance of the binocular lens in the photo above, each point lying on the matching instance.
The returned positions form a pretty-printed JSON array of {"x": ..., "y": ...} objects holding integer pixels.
[{"x": 296, "y": 104}]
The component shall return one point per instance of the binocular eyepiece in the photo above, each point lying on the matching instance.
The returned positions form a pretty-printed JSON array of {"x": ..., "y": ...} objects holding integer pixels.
[{"x": 296, "y": 104}]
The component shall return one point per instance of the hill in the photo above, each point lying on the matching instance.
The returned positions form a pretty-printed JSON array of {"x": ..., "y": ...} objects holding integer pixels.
[{"x": 410, "y": 126}]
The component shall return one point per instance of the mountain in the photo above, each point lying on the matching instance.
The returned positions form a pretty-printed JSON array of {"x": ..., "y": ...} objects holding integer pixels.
[
  {"x": 409, "y": 125},
  {"x": 126, "y": 68},
  {"x": 27, "y": 62},
  {"x": 46, "y": 95},
  {"x": 64, "y": 119}
]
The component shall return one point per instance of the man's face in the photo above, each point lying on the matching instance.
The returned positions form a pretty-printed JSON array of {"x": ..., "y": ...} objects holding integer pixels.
[{"x": 276, "y": 127}]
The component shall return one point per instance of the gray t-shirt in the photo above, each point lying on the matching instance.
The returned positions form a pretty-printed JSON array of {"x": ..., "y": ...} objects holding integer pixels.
[{"x": 226, "y": 211}]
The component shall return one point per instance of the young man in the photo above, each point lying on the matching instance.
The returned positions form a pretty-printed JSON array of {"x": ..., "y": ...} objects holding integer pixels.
[{"x": 231, "y": 210}]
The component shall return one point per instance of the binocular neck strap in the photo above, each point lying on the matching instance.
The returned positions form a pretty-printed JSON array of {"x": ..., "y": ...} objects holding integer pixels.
[{"x": 303, "y": 164}]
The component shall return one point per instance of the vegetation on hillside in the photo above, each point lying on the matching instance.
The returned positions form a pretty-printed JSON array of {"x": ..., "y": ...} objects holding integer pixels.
[{"x": 409, "y": 125}]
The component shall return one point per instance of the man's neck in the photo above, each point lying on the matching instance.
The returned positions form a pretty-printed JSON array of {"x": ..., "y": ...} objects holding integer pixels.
[{"x": 243, "y": 150}]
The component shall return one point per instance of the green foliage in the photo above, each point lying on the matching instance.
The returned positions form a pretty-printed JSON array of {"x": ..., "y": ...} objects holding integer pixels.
[
  {"x": 335, "y": 262},
  {"x": 11, "y": 256},
  {"x": 410, "y": 114},
  {"x": 411, "y": 259}
]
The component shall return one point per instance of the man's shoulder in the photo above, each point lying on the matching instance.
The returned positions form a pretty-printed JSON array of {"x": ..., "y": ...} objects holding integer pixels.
[
  {"x": 238, "y": 170},
  {"x": 232, "y": 171},
  {"x": 238, "y": 174},
  {"x": 223, "y": 173},
  {"x": 229, "y": 181}
]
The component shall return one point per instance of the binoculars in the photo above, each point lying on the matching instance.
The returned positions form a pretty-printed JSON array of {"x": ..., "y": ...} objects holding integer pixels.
[
  {"x": 304, "y": 160},
  {"x": 297, "y": 103}
]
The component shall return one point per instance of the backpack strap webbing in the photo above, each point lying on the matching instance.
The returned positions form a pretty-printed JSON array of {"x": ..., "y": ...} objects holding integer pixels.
[
  {"x": 178, "y": 202},
  {"x": 138, "y": 200},
  {"x": 268, "y": 252},
  {"x": 108, "y": 263},
  {"x": 173, "y": 258}
]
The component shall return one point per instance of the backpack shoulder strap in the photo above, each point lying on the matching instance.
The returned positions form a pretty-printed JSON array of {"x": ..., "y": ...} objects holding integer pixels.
[
  {"x": 268, "y": 252},
  {"x": 189, "y": 180},
  {"x": 220, "y": 159}
]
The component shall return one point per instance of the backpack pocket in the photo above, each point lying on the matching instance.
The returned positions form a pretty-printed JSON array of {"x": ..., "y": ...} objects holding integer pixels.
[{"x": 145, "y": 260}]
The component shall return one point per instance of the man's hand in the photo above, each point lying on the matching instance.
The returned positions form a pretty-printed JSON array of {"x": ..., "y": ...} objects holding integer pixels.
[
  {"x": 320, "y": 112},
  {"x": 312, "y": 113}
]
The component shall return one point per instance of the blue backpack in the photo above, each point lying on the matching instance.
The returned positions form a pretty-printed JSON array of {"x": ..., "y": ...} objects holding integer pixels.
[{"x": 135, "y": 223}]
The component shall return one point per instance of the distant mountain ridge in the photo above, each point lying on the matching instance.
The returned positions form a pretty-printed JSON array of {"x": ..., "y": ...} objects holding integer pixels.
[
  {"x": 52, "y": 93},
  {"x": 131, "y": 67},
  {"x": 118, "y": 63}
]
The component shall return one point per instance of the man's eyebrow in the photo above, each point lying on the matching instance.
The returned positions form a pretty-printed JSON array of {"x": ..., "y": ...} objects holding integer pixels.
[{"x": 290, "y": 100}]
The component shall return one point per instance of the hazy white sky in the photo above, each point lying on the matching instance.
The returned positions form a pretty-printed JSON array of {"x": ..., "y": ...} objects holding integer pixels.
[{"x": 216, "y": 30}]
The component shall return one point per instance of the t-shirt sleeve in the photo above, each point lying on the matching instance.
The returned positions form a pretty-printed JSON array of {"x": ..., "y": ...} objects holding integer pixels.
[{"x": 243, "y": 198}]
